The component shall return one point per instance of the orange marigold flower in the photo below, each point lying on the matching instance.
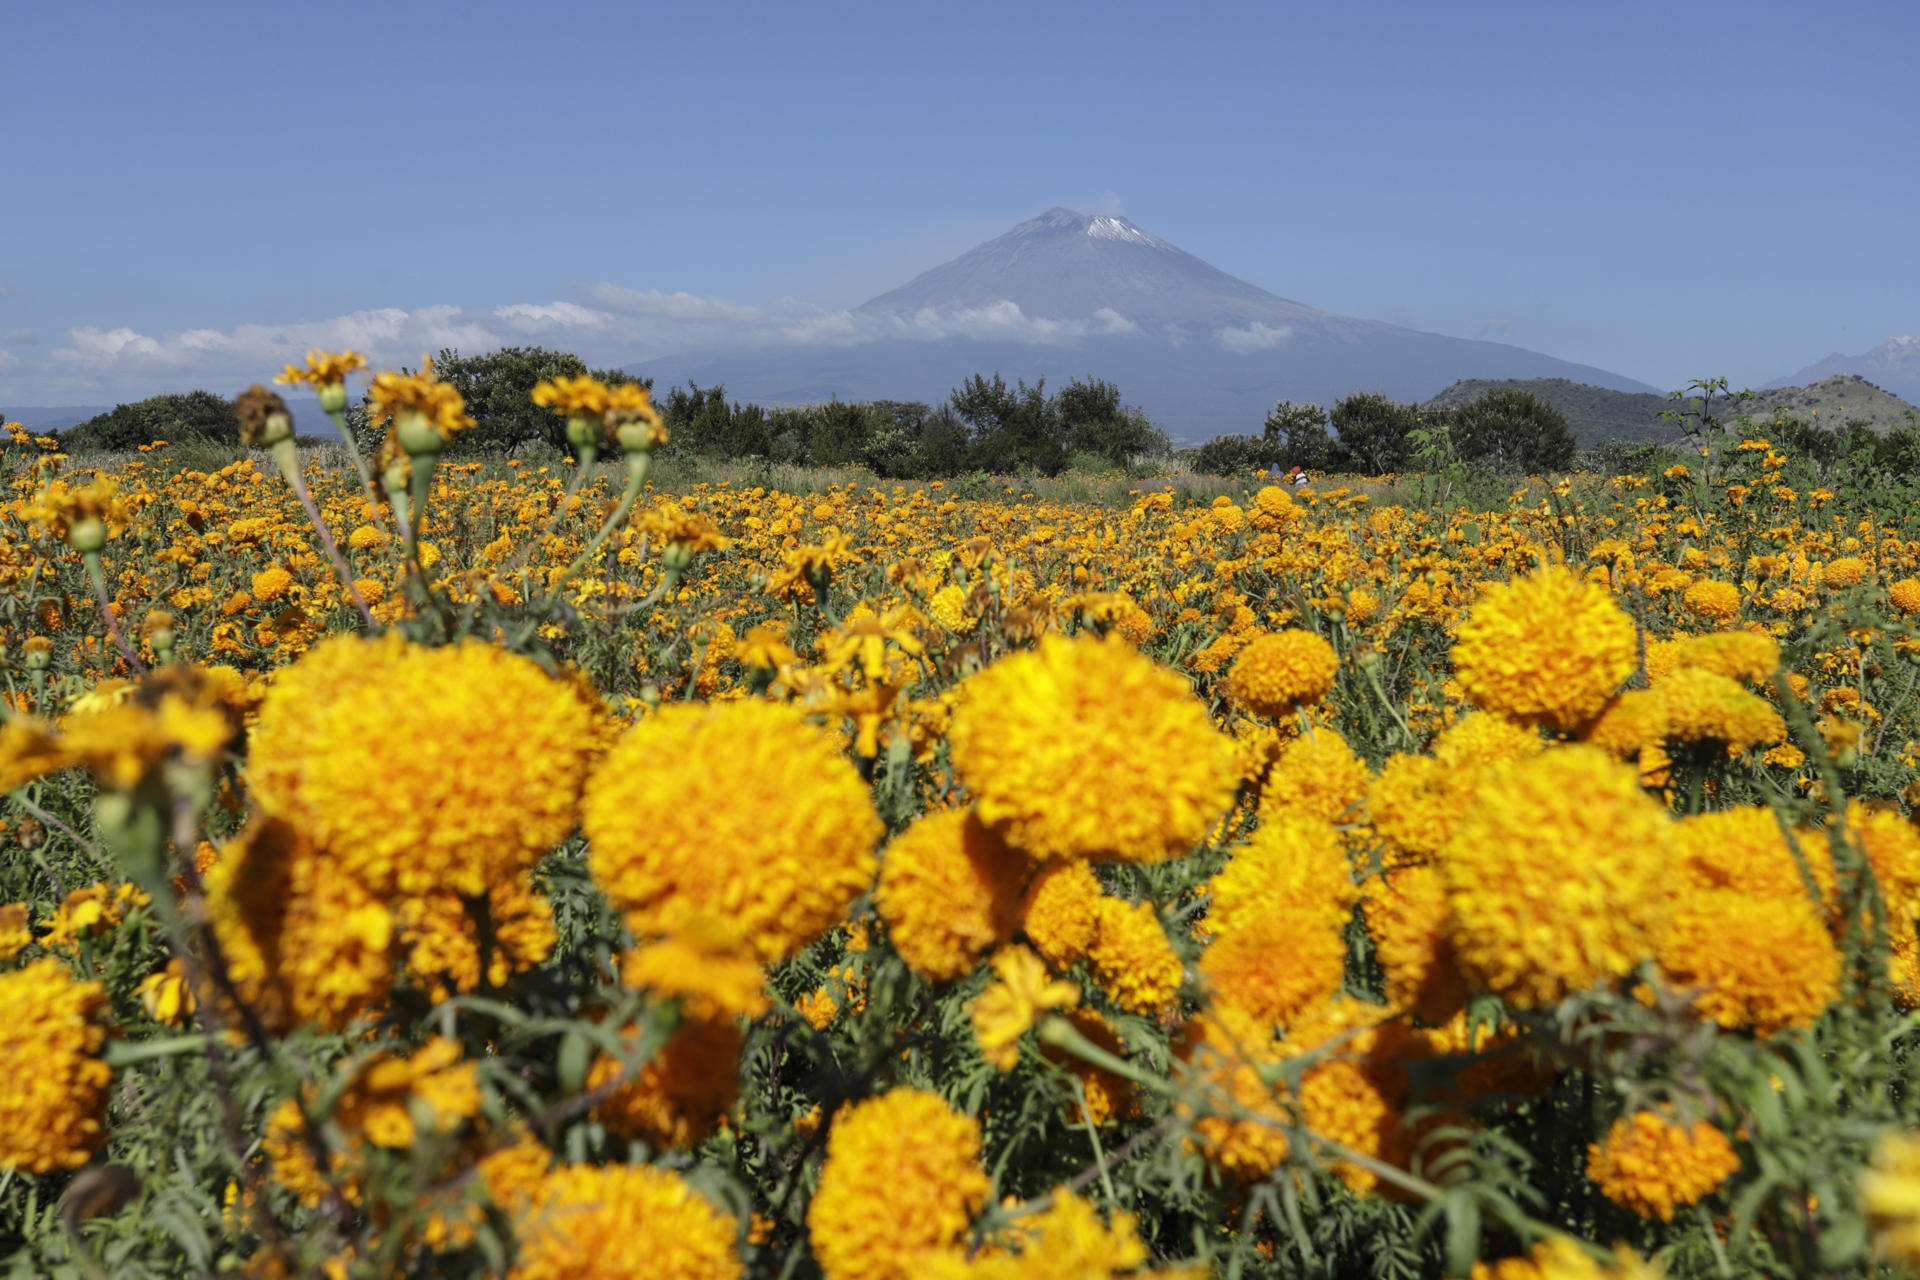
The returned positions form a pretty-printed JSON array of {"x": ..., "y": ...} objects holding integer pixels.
[
  {"x": 56, "y": 1088},
  {"x": 1765, "y": 962},
  {"x": 1277, "y": 673},
  {"x": 1085, "y": 749},
  {"x": 741, "y": 811},
  {"x": 1549, "y": 649},
  {"x": 902, "y": 1178},
  {"x": 1651, "y": 1164},
  {"x": 950, "y": 890}
]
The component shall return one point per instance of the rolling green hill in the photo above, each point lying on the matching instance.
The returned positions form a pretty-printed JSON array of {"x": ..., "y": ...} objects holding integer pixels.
[{"x": 1597, "y": 414}]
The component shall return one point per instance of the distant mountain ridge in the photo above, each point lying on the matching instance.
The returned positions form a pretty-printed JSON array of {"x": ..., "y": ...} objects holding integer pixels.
[
  {"x": 1598, "y": 414},
  {"x": 1894, "y": 366},
  {"x": 1069, "y": 295}
]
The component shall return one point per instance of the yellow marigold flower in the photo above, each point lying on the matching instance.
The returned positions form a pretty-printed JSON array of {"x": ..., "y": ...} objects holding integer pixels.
[
  {"x": 706, "y": 965},
  {"x": 1652, "y": 1165},
  {"x": 323, "y": 369},
  {"x": 441, "y": 943},
  {"x": 89, "y": 912},
  {"x": 1556, "y": 877},
  {"x": 166, "y": 996},
  {"x": 1700, "y": 706},
  {"x": 1354, "y": 1092},
  {"x": 1847, "y": 571},
  {"x": 271, "y": 583},
  {"x": 55, "y": 1088},
  {"x": 950, "y": 890},
  {"x": 1738, "y": 655},
  {"x": 1407, "y": 916},
  {"x": 1890, "y": 1189},
  {"x": 1713, "y": 599},
  {"x": 1742, "y": 850},
  {"x": 622, "y": 1222},
  {"x": 1414, "y": 803},
  {"x": 392, "y": 758},
  {"x": 740, "y": 810},
  {"x": 1892, "y": 845},
  {"x": 1632, "y": 721},
  {"x": 1559, "y": 1258},
  {"x": 1288, "y": 864},
  {"x": 1277, "y": 673},
  {"x": 678, "y": 1095},
  {"x": 16, "y": 930},
  {"x": 1762, "y": 962},
  {"x": 1316, "y": 776},
  {"x": 1060, "y": 914},
  {"x": 1223, "y": 1056},
  {"x": 902, "y": 1178},
  {"x": 1905, "y": 595},
  {"x": 581, "y": 397},
  {"x": 1276, "y": 965},
  {"x": 1131, "y": 958},
  {"x": 418, "y": 402},
  {"x": 30, "y": 749},
  {"x": 1068, "y": 1239},
  {"x": 1008, "y": 1008},
  {"x": 1549, "y": 649},
  {"x": 1477, "y": 740},
  {"x": 1273, "y": 508},
  {"x": 949, "y": 608},
  {"x": 303, "y": 942},
  {"x": 1085, "y": 749}
]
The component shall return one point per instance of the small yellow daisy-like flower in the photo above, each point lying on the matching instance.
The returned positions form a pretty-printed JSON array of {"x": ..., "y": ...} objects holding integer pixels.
[
  {"x": 1083, "y": 748},
  {"x": 950, "y": 890},
  {"x": 1652, "y": 1165},
  {"x": 581, "y": 397},
  {"x": 54, "y": 1088},
  {"x": 1008, "y": 1008},
  {"x": 1548, "y": 649},
  {"x": 706, "y": 965},
  {"x": 1277, "y": 673},
  {"x": 323, "y": 369},
  {"x": 418, "y": 406},
  {"x": 902, "y": 1179},
  {"x": 166, "y": 996},
  {"x": 1556, "y": 877},
  {"x": 740, "y": 810}
]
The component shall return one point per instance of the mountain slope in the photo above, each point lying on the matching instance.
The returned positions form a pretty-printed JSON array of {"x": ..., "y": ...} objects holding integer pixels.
[
  {"x": 1894, "y": 365},
  {"x": 1070, "y": 295}
]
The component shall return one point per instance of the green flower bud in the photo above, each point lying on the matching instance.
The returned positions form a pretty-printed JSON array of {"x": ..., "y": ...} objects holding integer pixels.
[{"x": 87, "y": 535}]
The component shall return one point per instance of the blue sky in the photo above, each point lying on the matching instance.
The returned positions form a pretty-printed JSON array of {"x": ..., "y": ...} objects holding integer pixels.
[{"x": 1665, "y": 190}]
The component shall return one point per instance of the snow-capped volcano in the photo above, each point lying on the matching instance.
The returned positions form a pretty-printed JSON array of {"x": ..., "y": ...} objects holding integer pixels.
[
  {"x": 1069, "y": 294},
  {"x": 1892, "y": 366},
  {"x": 1065, "y": 266}
]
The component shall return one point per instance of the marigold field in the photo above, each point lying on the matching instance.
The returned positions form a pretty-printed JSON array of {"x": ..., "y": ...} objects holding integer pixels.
[{"x": 436, "y": 868}]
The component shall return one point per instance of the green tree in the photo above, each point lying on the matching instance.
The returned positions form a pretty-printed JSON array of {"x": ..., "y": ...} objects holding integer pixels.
[
  {"x": 1295, "y": 435},
  {"x": 1094, "y": 421},
  {"x": 699, "y": 420},
  {"x": 175, "y": 418},
  {"x": 1513, "y": 430},
  {"x": 498, "y": 388},
  {"x": 1372, "y": 434},
  {"x": 1012, "y": 428},
  {"x": 839, "y": 432}
]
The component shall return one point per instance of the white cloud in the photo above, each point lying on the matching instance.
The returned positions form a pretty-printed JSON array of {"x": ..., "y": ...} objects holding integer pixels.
[
  {"x": 1255, "y": 337},
  {"x": 606, "y": 324}
]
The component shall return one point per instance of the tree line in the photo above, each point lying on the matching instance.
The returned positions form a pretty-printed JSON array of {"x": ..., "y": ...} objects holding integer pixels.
[{"x": 986, "y": 425}]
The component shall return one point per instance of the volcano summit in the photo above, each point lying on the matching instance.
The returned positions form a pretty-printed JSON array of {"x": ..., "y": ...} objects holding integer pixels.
[{"x": 1068, "y": 295}]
